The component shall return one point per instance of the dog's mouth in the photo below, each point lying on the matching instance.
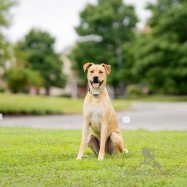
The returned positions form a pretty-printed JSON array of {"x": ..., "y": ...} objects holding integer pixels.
[{"x": 96, "y": 84}]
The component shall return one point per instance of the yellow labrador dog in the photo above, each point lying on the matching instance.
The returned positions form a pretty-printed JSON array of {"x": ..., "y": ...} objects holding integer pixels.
[{"x": 99, "y": 114}]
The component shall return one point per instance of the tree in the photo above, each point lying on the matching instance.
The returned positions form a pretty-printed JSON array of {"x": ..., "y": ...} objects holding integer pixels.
[
  {"x": 160, "y": 8},
  {"x": 103, "y": 30},
  {"x": 42, "y": 58},
  {"x": 19, "y": 77},
  {"x": 5, "y": 19},
  {"x": 161, "y": 58}
]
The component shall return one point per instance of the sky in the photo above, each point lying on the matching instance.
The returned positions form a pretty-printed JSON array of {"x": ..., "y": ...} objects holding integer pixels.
[{"x": 59, "y": 18}]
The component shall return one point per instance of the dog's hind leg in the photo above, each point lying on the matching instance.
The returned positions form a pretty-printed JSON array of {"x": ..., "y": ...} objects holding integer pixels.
[
  {"x": 109, "y": 146},
  {"x": 93, "y": 144},
  {"x": 118, "y": 142}
]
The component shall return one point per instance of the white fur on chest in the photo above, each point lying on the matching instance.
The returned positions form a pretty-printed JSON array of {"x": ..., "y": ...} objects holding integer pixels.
[{"x": 95, "y": 115}]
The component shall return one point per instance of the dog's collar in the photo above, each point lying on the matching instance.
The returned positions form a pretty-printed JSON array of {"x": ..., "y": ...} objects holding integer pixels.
[{"x": 96, "y": 95}]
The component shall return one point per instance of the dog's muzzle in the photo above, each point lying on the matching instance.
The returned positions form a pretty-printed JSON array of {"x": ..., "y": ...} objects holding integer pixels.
[{"x": 96, "y": 83}]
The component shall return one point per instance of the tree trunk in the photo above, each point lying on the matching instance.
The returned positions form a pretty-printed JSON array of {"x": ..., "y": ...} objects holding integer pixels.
[
  {"x": 120, "y": 66},
  {"x": 47, "y": 91},
  {"x": 121, "y": 89},
  {"x": 37, "y": 91}
]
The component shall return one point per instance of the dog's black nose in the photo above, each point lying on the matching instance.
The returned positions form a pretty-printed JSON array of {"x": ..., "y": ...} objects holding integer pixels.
[{"x": 95, "y": 79}]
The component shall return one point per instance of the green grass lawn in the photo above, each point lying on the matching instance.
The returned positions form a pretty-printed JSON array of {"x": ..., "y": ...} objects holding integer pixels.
[
  {"x": 21, "y": 104},
  {"x": 32, "y": 157}
]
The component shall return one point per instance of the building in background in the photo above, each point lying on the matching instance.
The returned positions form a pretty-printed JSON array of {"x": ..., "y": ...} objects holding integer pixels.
[{"x": 74, "y": 86}]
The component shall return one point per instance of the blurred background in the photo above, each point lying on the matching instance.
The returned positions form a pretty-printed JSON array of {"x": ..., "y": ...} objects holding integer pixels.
[{"x": 44, "y": 44}]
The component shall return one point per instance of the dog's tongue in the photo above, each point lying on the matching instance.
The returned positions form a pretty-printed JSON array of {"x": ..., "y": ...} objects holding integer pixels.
[{"x": 96, "y": 85}]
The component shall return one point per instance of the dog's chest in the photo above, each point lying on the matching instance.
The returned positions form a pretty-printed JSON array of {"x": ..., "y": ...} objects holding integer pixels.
[{"x": 95, "y": 115}]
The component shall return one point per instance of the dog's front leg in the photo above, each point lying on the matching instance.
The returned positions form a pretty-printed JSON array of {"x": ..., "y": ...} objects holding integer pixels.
[
  {"x": 85, "y": 129},
  {"x": 102, "y": 141}
]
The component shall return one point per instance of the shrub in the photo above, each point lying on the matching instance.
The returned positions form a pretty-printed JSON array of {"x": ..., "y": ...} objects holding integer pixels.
[
  {"x": 20, "y": 79},
  {"x": 134, "y": 91},
  {"x": 2, "y": 90}
]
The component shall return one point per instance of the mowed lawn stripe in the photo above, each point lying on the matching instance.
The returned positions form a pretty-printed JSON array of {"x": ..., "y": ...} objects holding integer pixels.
[
  {"x": 22, "y": 104},
  {"x": 34, "y": 157}
]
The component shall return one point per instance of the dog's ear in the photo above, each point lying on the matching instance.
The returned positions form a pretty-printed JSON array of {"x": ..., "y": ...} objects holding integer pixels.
[
  {"x": 87, "y": 65},
  {"x": 107, "y": 68}
]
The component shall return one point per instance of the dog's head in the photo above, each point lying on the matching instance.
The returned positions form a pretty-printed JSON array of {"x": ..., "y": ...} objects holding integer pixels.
[{"x": 97, "y": 75}]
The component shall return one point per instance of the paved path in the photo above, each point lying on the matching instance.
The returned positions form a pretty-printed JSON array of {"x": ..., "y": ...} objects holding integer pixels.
[{"x": 150, "y": 116}]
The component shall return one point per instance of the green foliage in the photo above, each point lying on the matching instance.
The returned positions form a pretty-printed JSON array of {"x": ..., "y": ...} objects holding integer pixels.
[
  {"x": 5, "y": 20},
  {"x": 41, "y": 57},
  {"x": 134, "y": 91},
  {"x": 160, "y": 56},
  {"x": 21, "y": 79},
  {"x": 5, "y": 17},
  {"x": 35, "y": 157},
  {"x": 103, "y": 30},
  {"x": 2, "y": 90},
  {"x": 4, "y": 50},
  {"x": 161, "y": 7}
]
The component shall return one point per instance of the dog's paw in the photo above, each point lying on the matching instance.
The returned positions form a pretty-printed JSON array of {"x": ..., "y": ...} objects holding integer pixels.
[
  {"x": 79, "y": 158},
  {"x": 100, "y": 158},
  {"x": 125, "y": 151}
]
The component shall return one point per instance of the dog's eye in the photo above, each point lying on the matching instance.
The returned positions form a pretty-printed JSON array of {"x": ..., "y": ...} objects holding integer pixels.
[
  {"x": 91, "y": 71},
  {"x": 100, "y": 72}
]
